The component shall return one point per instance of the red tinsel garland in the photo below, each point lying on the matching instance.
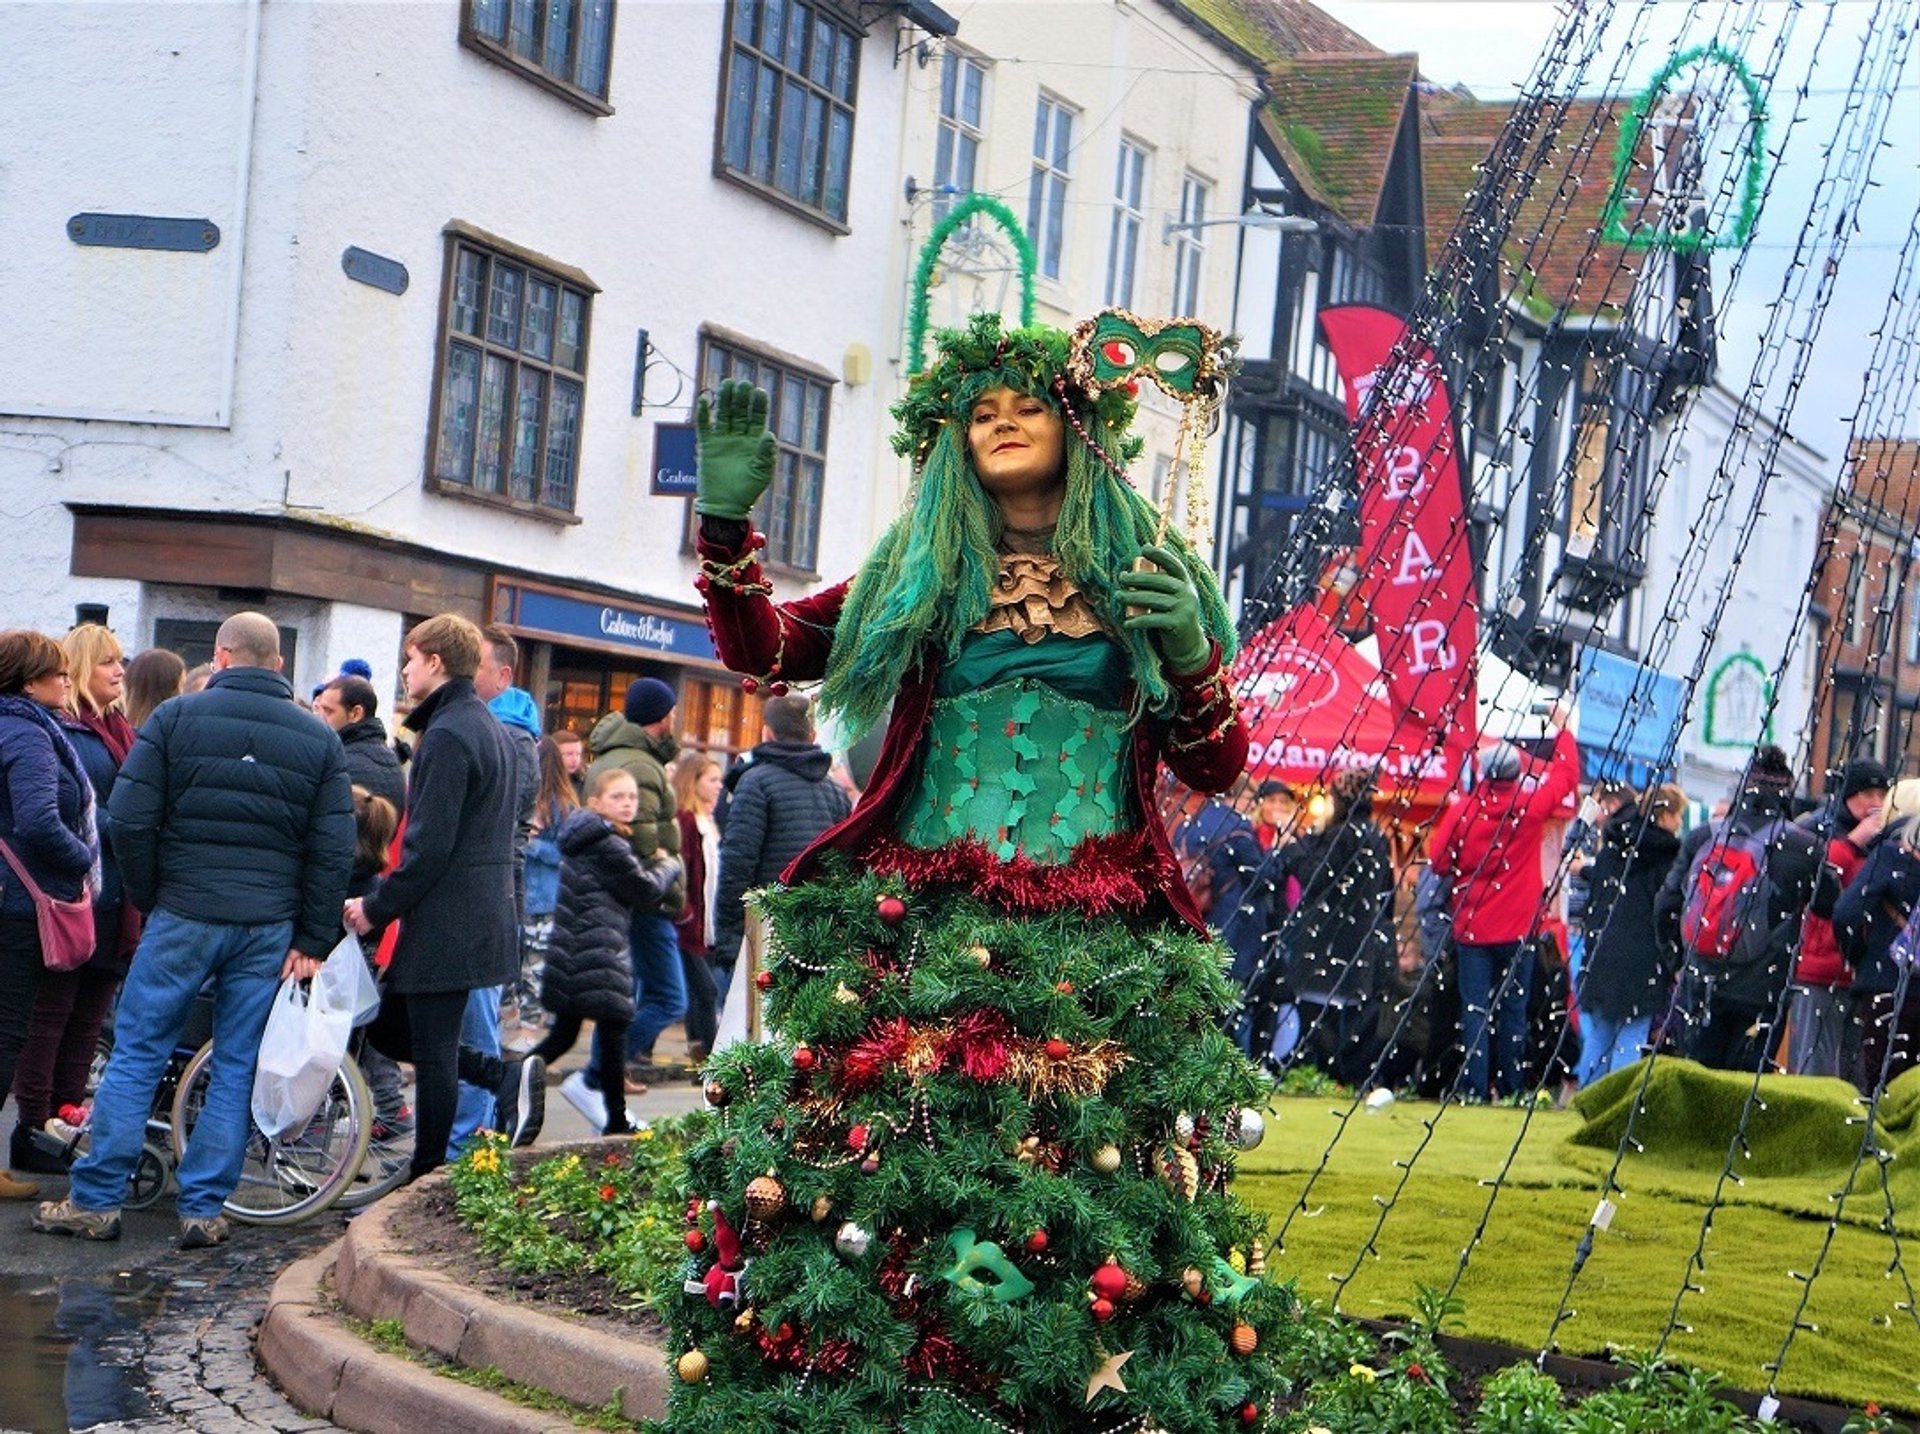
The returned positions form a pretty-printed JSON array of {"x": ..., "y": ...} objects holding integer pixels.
[{"x": 1105, "y": 874}]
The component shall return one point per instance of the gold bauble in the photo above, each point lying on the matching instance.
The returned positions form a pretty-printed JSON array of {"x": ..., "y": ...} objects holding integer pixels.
[
  {"x": 822, "y": 1207},
  {"x": 1136, "y": 1287},
  {"x": 981, "y": 956},
  {"x": 692, "y": 1366},
  {"x": 766, "y": 1197},
  {"x": 1193, "y": 1281},
  {"x": 1244, "y": 1339},
  {"x": 1107, "y": 1159}
]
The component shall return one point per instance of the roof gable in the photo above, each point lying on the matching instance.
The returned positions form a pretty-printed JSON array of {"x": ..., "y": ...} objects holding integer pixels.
[
  {"x": 1335, "y": 120},
  {"x": 1553, "y": 260}
]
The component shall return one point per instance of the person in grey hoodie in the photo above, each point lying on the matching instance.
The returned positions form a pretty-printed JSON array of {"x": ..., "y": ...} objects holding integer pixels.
[{"x": 782, "y": 799}]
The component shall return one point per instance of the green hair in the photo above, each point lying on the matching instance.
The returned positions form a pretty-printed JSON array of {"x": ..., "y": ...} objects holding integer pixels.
[{"x": 928, "y": 581}]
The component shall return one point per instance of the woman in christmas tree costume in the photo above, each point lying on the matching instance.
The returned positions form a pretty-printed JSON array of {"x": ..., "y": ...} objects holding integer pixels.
[{"x": 979, "y": 1183}]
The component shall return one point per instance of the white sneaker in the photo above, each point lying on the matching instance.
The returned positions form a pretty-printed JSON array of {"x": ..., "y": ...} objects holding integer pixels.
[{"x": 583, "y": 1098}]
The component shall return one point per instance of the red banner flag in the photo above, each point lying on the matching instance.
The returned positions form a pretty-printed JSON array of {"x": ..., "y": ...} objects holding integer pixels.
[{"x": 1416, "y": 564}]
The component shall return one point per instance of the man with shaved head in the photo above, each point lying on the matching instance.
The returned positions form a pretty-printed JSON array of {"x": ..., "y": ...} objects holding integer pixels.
[{"x": 233, "y": 824}]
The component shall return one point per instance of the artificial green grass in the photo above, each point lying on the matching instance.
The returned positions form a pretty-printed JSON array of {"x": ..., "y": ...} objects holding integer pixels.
[{"x": 1864, "y": 1344}]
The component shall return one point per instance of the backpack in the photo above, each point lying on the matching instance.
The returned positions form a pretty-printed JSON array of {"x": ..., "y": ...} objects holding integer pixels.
[{"x": 1727, "y": 891}]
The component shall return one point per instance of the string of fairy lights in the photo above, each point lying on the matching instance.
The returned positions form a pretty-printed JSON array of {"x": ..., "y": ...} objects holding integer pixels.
[{"x": 1474, "y": 247}]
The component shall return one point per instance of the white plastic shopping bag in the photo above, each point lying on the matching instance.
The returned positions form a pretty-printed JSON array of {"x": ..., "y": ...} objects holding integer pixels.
[{"x": 306, "y": 1039}]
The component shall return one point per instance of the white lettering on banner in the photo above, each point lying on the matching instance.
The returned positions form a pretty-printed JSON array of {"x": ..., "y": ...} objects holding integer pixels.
[
  {"x": 1409, "y": 386},
  {"x": 1407, "y": 474},
  {"x": 637, "y": 627},
  {"x": 1416, "y": 563},
  {"x": 1392, "y": 766},
  {"x": 1431, "y": 652}
]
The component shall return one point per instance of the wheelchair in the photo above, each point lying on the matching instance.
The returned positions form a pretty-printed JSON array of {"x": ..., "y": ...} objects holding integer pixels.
[{"x": 284, "y": 1180}]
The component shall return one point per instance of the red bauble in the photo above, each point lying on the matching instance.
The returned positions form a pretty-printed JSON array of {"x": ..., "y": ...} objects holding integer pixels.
[
  {"x": 1058, "y": 1050},
  {"x": 1109, "y": 1281},
  {"x": 1037, "y": 1243},
  {"x": 696, "y": 1241},
  {"x": 857, "y": 1137},
  {"x": 1249, "y": 1412},
  {"x": 749, "y": 684},
  {"x": 1065, "y": 988},
  {"x": 764, "y": 980},
  {"x": 803, "y": 1058},
  {"x": 891, "y": 910},
  {"x": 1103, "y": 1310}
]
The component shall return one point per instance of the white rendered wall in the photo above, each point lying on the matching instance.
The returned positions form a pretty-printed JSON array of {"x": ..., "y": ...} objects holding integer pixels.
[
  {"x": 373, "y": 127},
  {"x": 1128, "y": 69}
]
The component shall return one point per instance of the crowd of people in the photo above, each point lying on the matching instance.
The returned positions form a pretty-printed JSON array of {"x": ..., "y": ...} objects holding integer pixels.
[
  {"x": 221, "y": 832},
  {"x": 1513, "y": 950},
  {"x": 513, "y": 887}
]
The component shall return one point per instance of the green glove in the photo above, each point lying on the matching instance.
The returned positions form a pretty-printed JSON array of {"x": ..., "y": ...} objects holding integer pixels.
[
  {"x": 1167, "y": 604},
  {"x": 735, "y": 449}
]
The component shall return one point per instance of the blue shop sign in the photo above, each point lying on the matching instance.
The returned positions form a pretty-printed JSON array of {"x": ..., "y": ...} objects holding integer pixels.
[
  {"x": 603, "y": 624},
  {"x": 674, "y": 455},
  {"x": 1628, "y": 715}
]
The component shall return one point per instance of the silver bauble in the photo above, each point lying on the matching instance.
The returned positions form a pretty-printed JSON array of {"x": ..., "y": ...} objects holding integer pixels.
[
  {"x": 1247, "y": 1129},
  {"x": 852, "y": 1239}
]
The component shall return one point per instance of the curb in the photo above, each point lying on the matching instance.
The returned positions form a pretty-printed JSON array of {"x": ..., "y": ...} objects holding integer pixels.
[{"x": 327, "y": 1370}]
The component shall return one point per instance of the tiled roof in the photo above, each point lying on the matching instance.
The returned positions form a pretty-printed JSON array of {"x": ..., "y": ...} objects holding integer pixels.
[
  {"x": 1886, "y": 473},
  {"x": 1276, "y": 29},
  {"x": 1335, "y": 118},
  {"x": 1553, "y": 258}
]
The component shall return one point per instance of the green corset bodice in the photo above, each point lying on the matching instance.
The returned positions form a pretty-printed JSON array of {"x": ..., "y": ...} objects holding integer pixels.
[{"x": 1028, "y": 749}]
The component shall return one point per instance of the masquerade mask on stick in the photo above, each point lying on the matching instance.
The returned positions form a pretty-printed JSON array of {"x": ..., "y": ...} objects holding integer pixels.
[{"x": 1185, "y": 360}]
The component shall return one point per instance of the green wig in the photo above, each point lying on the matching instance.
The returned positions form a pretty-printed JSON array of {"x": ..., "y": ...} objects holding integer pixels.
[{"x": 928, "y": 581}]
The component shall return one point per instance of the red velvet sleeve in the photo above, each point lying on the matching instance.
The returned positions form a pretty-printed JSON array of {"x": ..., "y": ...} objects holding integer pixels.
[
  {"x": 776, "y": 642},
  {"x": 1207, "y": 746}
]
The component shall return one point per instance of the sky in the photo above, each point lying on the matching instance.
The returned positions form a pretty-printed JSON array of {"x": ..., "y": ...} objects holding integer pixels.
[{"x": 1491, "y": 46}]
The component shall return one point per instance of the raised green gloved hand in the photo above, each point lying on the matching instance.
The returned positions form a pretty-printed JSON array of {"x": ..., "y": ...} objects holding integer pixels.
[
  {"x": 735, "y": 449},
  {"x": 1167, "y": 604}
]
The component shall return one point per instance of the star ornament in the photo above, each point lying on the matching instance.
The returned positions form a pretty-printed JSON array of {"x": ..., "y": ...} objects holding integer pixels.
[{"x": 1107, "y": 1376}]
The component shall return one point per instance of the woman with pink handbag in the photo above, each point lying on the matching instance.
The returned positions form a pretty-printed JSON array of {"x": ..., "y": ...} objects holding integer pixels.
[{"x": 49, "y": 854}]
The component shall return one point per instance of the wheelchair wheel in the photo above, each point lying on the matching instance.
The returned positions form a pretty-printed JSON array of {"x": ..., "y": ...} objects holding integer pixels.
[
  {"x": 149, "y": 1180},
  {"x": 389, "y": 1158},
  {"x": 295, "y": 1177}
]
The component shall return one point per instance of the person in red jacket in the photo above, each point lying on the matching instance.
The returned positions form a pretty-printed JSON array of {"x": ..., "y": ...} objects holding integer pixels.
[
  {"x": 1487, "y": 847},
  {"x": 1818, "y": 1026}
]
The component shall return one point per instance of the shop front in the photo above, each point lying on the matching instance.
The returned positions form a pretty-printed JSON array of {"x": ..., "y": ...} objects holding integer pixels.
[{"x": 580, "y": 650}]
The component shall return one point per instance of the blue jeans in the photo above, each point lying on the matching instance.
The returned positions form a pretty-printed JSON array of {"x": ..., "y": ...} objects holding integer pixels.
[
  {"x": 1609, "y": 1045},
  {"x": 1482, "y": 969},
  {"x": 479, "y": 1028},
  {"x": 659, "y": 983},
  {"x": 177, "y": 956}
]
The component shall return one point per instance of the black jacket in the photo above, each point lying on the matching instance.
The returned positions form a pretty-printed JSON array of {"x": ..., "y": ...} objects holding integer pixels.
[
  {"x": 1339, "y": 941},
  {"x": 1873, "y": 908},
  {"x": 371, "y": 763},
  {"x": 782, "y": 802},
  {"x": 453, "y": 890},
  {"x": 1793, "y": 868},
  {"x": 589, "y": 971},
  {"x": 1629, "y": 965},
  {"x": 234, "y": 807}
]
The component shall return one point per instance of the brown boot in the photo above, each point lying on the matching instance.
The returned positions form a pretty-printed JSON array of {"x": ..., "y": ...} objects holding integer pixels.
[{"x": 12, "y": 1189}]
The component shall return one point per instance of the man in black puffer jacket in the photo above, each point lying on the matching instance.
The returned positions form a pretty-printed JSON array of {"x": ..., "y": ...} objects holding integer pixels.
[
  {"x": 782, "y": 800},
  {"x": 349, "y": 705},
  {"x": 233, "y": 825}
]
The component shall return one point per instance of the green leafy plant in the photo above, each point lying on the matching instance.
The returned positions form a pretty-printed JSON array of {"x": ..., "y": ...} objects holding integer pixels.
[
  {"x": 1519, "y": 1400},
  {"x": 615, "y": 1213},
  {"x": 1873, "y": 1420}
]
